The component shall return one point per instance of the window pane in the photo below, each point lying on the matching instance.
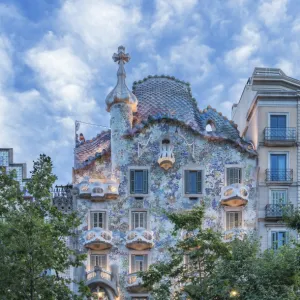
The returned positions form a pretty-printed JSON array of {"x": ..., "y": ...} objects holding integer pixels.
[
  {"x": 234, "y": 175},
  {"x": 193, "y": 182},
  {"x": 233, "y": 220},
  {"x": 138, "y": 182},
  {"x": 278, "y": 196}
]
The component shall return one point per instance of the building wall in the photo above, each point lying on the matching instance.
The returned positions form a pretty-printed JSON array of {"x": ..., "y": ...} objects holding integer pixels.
[{"x": 166, "y": 190}]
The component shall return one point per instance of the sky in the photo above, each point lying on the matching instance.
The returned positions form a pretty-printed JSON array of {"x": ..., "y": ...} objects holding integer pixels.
[{"x": 56, "y": 60}]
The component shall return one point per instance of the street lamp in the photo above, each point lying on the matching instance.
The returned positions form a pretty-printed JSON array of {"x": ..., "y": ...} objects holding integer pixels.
[{"x": 234, "y": 293}]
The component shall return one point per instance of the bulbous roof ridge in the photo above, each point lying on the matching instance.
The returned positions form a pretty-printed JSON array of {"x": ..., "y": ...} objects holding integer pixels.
[{"x": 121, "y": 93}]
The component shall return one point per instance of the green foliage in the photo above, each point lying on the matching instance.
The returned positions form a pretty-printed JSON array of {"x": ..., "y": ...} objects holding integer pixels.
[
  {"x": 33, "y": 239},
  {"x": 191, "y": 260},
  {"x": 220, "y": 271}
]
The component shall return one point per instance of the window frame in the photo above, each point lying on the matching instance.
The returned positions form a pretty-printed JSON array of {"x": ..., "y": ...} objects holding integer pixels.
[
  {"x": 287, "y": 114},
  {"x": 278, "y": 190},
  {"x": 138, "y": 168},
  {"x": 286, "y": 153},
  {"x": 287, "y": 238},
  {"x": 131, "y": 253},
  {"x": 240, "y": 212},
  {"x": 138, "y": 210},
  {"x": 197, "y": 169},
  {"x": 91, "y": 221},
  {"x": 237, "y": 166},
  {"x": 105, "y": 254}
]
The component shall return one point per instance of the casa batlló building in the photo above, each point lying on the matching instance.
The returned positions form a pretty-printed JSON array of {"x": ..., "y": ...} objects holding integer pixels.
[{"x": 161, "y": 153}]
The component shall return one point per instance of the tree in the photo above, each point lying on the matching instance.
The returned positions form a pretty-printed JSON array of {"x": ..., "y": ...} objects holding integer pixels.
[
  {"x": 202, "y": 266},
  {"x": 33, "y": 233},
  {"x": 191, "y": 260}
]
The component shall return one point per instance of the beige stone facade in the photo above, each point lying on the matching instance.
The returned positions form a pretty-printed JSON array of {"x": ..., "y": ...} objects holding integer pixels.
[{"x": 268, "y": 115}]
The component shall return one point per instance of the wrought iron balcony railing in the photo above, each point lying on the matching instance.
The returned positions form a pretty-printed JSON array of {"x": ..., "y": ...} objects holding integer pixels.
[
  {"x": 279, "y": 175},
  {"x": 287, "y": 134},
  {"x": 277, "y": 211}
]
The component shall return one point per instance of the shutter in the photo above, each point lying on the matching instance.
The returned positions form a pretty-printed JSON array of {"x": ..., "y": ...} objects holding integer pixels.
[
  {"x": 141, "y": 223},
  {"x": 93, "y": 261},
  {"x": 287, "y": 237},
  {"x": 104, "y": 220},
  {"x": 132, "y": 263},
  {"x": 145, "y": 267},
  {"x": 104, "y": 262},
  {"x": 239, "y": 175},
  {"x": 274, "y": 240},
  {"x": 131, "y": 181},
  {"x": 239, "y": 219},
  {"x": 228, "y": 176},
  {"x": 186, "y": 181},
  {"x": 145, "y": 181},
  {"x": 199, "y": 182},
  {"x": 227, "y": 221},
  {"x": 132, "y": 220},
  {"x": 145, "y": 220}
]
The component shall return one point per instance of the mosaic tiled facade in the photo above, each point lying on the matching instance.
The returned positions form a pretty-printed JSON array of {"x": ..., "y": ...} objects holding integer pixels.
[{"x": 125, "y": 179}]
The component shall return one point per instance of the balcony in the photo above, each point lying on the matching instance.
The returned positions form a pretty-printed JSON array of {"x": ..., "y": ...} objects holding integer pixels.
[
  {"x": 134, "y": 283},
  {"x": 275, "y": 212},
  {"x": 97, "y": 239},
  {"x": 277, "y": 176},
  {"x": 104, "y": 280},
  {"x": 98, "y": 190},
  {"x": 234, "y": 195},
  {"x": 280, "y": 136},
  {"x": 234, "y": 233},
  {"x": 166, "y": 157},
  {"x": 139, "y": 239}
]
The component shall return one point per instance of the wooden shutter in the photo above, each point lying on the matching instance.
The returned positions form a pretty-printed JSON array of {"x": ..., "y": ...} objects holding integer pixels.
[
  {"x": 199, "y": 182},
  {"x": 274, "y": 240},
  {"x": 145, "y": 181},
  {"x": 132, "y": 263},
  {"x": 186, "y": 181},
  {"x": 132, "y": 181},
  {"x": 145, "y": 262}
]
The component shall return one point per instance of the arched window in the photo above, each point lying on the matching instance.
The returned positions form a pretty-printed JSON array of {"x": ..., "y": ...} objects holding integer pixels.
[{"x": 210, "y": 126}]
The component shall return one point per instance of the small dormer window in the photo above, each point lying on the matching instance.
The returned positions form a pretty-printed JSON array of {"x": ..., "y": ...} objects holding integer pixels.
[{"x": 210, "y": 126}]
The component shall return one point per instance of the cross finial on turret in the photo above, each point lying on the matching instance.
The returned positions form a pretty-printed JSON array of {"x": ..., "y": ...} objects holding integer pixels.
[{"x": 121, "y": 56}]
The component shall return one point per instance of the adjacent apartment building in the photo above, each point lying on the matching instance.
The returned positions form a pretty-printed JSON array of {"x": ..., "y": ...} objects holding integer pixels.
[
  {"x": 268, "y": 115},
  {"x": 7, "y": 162},
  {"x": 161, "y": 153}
]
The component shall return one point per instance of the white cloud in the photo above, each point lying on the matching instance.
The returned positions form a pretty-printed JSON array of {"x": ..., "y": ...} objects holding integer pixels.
[
  {"x": 101, "y": 25},
  {"x": 273, "y": 12},
  {"x": 193, "y": 58},
  {"x": 6, "y": 66},
  {"x": 244, "y": 55},
  {"x": 171, "y": 12}
]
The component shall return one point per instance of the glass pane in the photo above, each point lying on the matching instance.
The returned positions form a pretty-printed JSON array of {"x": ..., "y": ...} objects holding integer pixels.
[
  {"x": 138, "y": 182},
  {"x": 193, "y": 182}
]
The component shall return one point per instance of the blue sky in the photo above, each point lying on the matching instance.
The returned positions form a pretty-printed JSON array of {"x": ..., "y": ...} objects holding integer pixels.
[{"x": 56, "y": 66}]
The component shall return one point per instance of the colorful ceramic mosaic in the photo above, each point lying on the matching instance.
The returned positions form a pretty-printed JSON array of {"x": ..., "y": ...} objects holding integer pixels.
[{"x": 166, "y": 114}]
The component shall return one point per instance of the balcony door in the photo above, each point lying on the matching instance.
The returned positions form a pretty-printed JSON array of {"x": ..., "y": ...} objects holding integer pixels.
[
  {"x": 278, "y": 167},
  {"x": 278, "y": 127}
]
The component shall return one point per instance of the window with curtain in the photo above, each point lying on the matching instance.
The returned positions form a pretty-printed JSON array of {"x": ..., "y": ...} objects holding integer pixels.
[
  {"x": 98, "y": 219},
  {"x": 99, "y": 260},
  {"x": 139, "y": 181},
  {"x": 233, "y": 219},
  {"x": 139, "y": 262},
  {"x": 233, "y": 175},
  {"x": 193, "y": 182},
  {"x": 138, "y": 219},
  {"x": 278, "y": 196}
]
